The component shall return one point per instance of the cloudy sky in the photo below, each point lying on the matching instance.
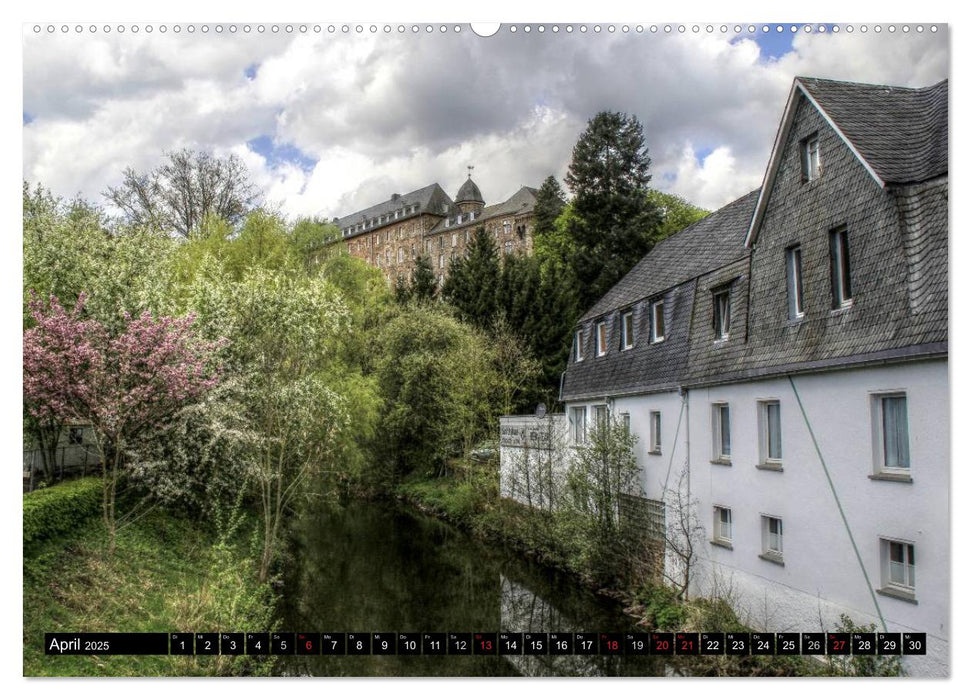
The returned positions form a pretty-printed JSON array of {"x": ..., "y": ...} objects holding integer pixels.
[{"x": 329, "y": 123}]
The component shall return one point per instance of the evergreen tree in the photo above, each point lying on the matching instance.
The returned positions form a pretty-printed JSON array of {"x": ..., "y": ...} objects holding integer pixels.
[
  {"x": 402, "y": 292},
  {"x": 550, "y": 200},
  {"x": 473, "y": 281},
  {"x": 424, "y": 286},
  {"x": 615, "y": 223}
]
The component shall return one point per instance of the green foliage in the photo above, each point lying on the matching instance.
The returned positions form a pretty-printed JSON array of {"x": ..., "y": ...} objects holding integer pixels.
[
  {"x": 541, "y": 308},
  {"x": 309, "y": 239},
  {"x": 424, "y": 286},
  {"x": 859, "y": 664},
  {"x": 68, "y": 249},
  {"x": 614, "y": 223},
  {"x": 170, "y": 573},
  {"x": 433, "y": 374},
  {"x": 602, "y": 471},
  {"x": 59, "y": 509},
  {"x": 676, "y": 212},
  {"x": 550, "y": 200},
  {"x": 472, "y": 281},
  {"x": 663, "y": 607}
]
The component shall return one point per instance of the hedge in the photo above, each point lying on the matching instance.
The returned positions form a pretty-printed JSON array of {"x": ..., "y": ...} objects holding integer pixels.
[{"x": 52, "y": 511}]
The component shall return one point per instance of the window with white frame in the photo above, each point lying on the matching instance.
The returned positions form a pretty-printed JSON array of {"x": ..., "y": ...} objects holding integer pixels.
[
  {"x": 810, "y": 158},
  {"x": 721, "y": 431},
  {"x": 625, "y": 421},
  {"x": 839, "y": 257},
  {"x": 655, "y": 432},
  {"x": 770, "y": 432},
  {"x": 722, "y": 312},
  {"x": 794, "y": 280},
  {"x": 601, "y": 338},
  {"x": 722, "y": 530},
  {"x": 578, "y": 346},
  {"x": 627, "y": 330},
  {"x": 898, "y": 567},
  {"x": 772, "y": 537},
  {"x": 578, "y": 424},
  {"x": 600, "y": 415},
  {"x": 657, "y": 321},
  {"x": 891, "y": 434},
  {"x": 506, "y": 227},
  {"x": 455, "y": 239},
  {"x": 508, "y": 248},
  {"x": 441, "y": 260}
]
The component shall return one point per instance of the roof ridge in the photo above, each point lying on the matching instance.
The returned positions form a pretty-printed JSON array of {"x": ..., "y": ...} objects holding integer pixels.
[{"x": 855, "y": 83}]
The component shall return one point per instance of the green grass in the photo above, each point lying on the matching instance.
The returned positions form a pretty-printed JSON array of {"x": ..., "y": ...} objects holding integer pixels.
[{"x": 167, "y": 574}]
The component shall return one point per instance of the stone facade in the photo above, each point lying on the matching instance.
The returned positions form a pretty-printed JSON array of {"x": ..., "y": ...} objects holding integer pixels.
[{"x": 391, "y": 235}]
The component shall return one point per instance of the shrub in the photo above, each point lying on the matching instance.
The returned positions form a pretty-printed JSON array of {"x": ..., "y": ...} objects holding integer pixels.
[{"x": 61, "y": 508}]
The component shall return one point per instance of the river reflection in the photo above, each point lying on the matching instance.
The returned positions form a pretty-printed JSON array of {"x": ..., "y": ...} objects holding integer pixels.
[{"x": 369, "y": 567}]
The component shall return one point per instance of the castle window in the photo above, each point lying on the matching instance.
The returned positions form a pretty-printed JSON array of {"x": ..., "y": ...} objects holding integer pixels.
[
  {"x": 455, "y": 239},
  {"x": 508, "y": 247},
  {"x": 506, "y": 228}
]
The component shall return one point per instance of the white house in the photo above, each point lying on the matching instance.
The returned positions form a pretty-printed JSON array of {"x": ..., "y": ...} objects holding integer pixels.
[{"x": 789, "y": 352}]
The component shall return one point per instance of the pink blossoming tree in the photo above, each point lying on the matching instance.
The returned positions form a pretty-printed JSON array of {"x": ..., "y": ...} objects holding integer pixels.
[{"x": 121, "y": 384}]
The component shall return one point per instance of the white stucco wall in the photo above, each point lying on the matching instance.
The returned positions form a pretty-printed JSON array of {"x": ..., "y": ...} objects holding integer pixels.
[{"x": 821, "y": 576}]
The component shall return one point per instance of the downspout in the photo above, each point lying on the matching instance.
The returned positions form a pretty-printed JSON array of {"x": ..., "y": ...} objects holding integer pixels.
[{"x": 839, "y": 506}]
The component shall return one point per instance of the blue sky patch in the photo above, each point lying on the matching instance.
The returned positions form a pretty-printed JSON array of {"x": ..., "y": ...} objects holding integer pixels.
[
  {"x": 250, "y": 70},
  {"x": 28, "y": 118},
  {"x": 702, "y": 153},
  {"x": 280, "y": 153}
]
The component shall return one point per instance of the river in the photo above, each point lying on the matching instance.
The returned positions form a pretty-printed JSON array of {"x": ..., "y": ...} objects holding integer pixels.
[{"x": 372, "y": 567}]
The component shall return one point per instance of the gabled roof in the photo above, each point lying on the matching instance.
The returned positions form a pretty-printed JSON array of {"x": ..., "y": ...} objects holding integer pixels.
[
  {"x": 705, "y": 245},
  {"x": 899, "y": 134},
  {"x": 429, "y": 200}
]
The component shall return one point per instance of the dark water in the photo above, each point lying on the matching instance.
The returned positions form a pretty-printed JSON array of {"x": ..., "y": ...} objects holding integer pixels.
[{"x": 368, "y": 567}]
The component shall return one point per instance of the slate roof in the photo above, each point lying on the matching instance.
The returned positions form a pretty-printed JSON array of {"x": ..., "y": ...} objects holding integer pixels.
[
  {"x": 522, "y": 202},
  {"x": 901, "y": 132},
  {"x": 898, "y": 253},
  {"x": 705, "y": 245},
  {"x": 429, "y": 199},
  {"x": 669, "y": 272},
  {"x": 469, "y": 192}
]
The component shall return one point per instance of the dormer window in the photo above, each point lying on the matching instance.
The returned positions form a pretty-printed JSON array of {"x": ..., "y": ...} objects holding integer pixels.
[
  {"x": 657, "y": 321},
  {"x": 601, "y": 338},
  {"x": 722, "y": 312},
  {"x": 810, "y": 158},
  {"x": 627, "y": 330},
  {"x": 578, "y": 346}
]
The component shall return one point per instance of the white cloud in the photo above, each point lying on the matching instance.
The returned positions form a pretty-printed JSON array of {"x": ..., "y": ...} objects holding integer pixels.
[{"x": 389, "y": 113}]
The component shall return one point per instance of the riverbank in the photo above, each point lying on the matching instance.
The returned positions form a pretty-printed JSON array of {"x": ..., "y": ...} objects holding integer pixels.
[
  {"x": 168, "y": 573},
  {"x": 470, "y": 501}
]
